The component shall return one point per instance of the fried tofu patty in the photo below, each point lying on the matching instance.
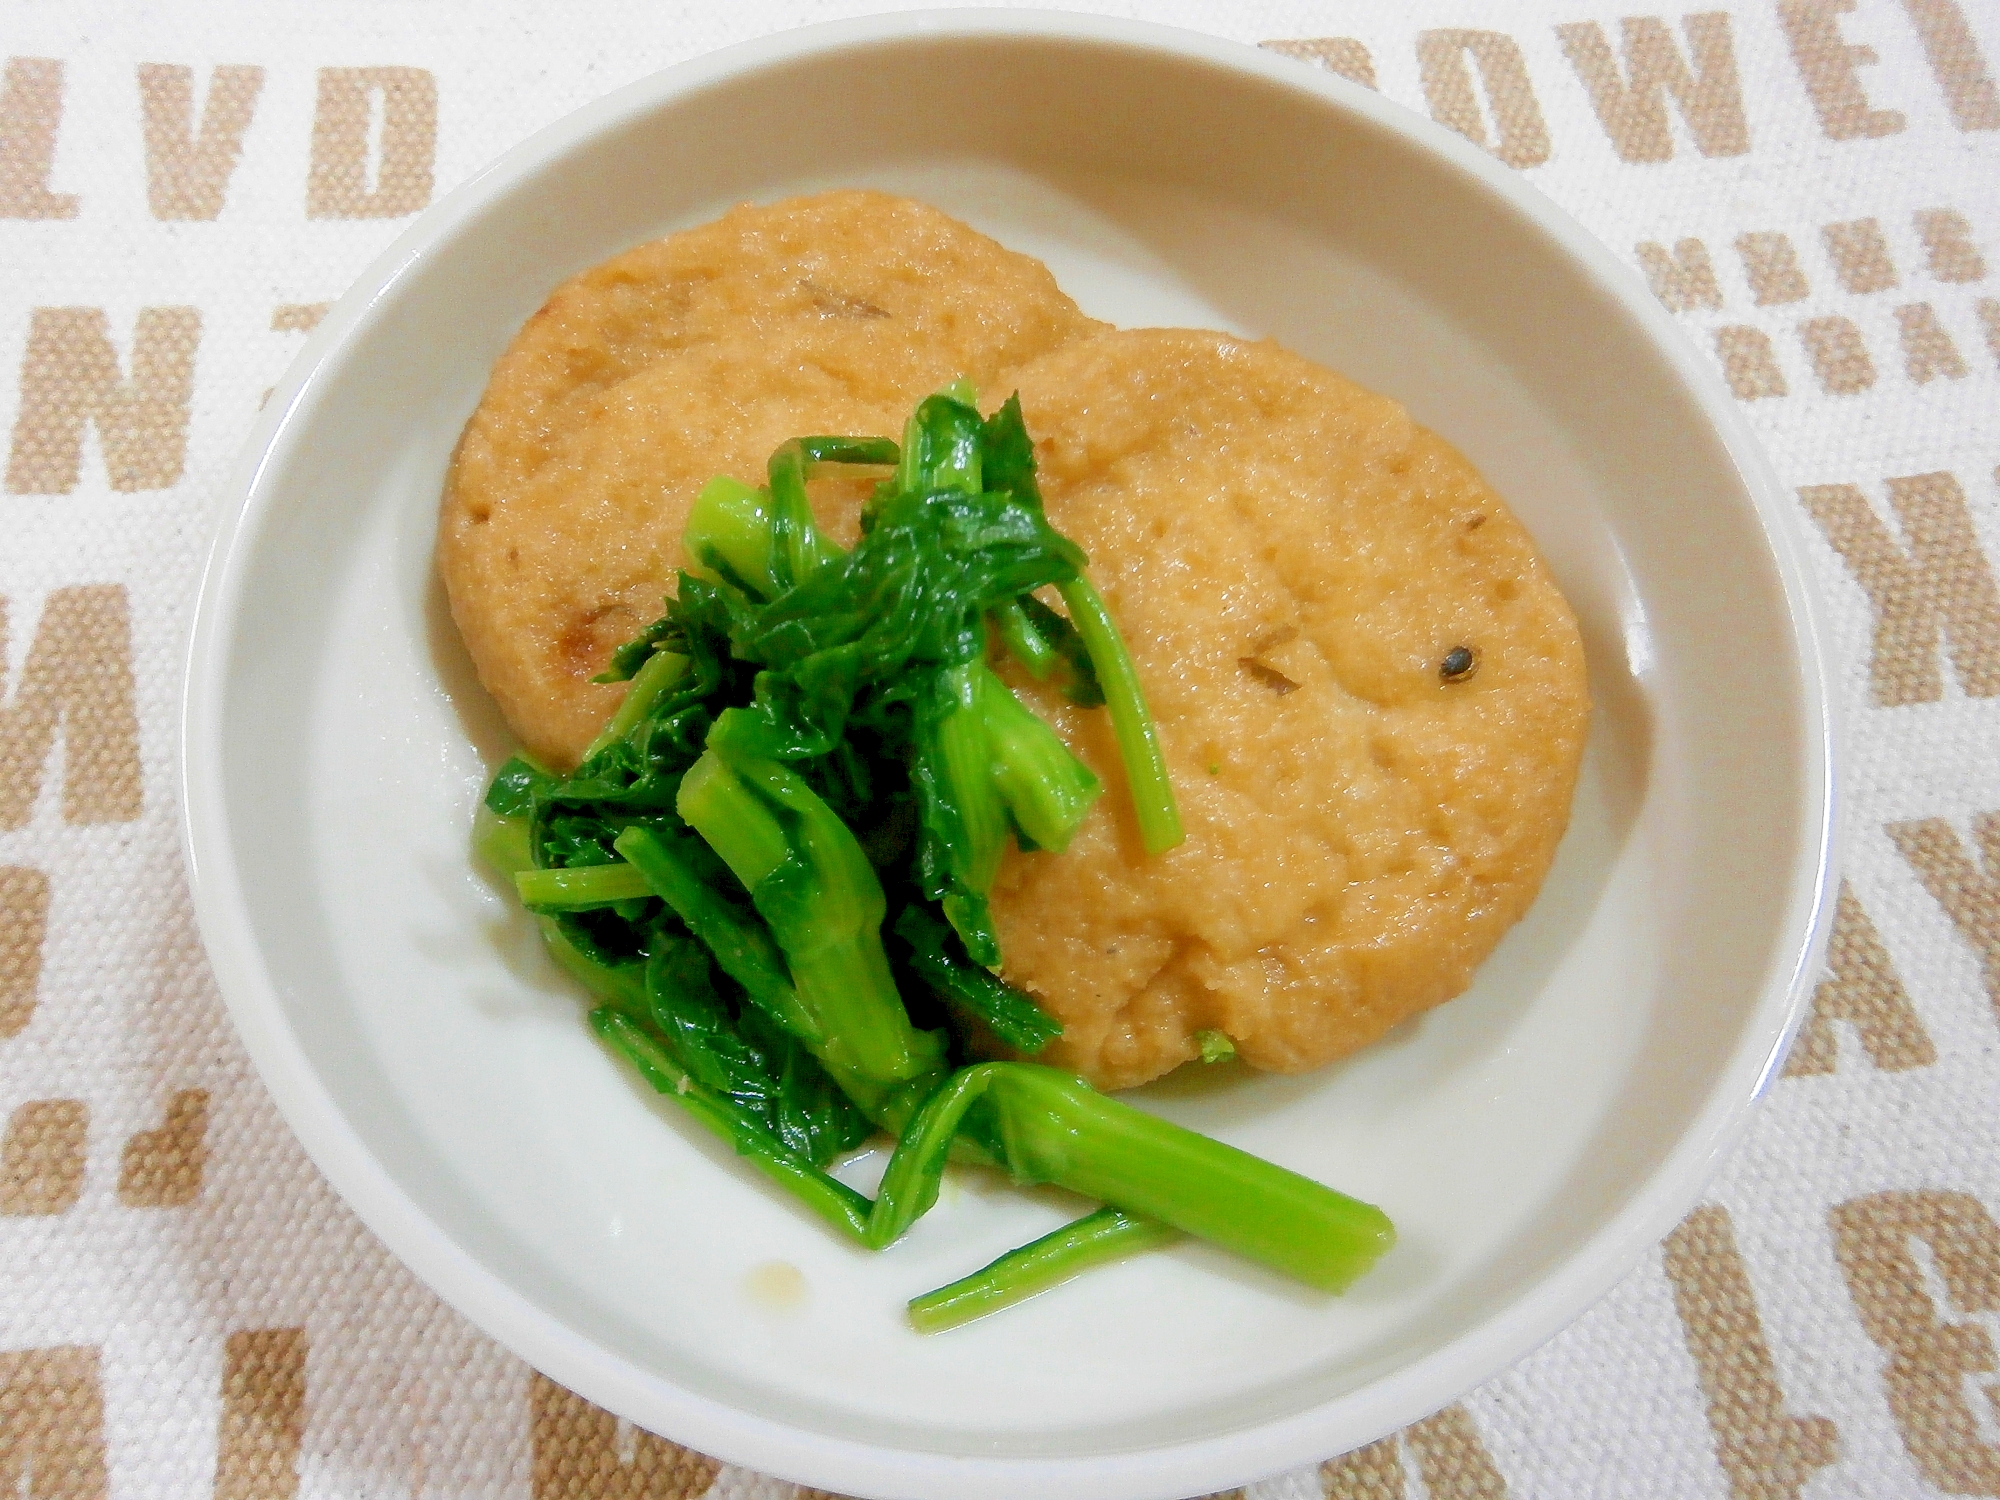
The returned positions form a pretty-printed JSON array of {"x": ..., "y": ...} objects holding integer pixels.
[
  {"x": 1293, "y": 562},
  {"x": 693, "y": 356}
]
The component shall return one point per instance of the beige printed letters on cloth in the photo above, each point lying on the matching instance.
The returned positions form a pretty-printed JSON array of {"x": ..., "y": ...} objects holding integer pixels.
[
  {"x": 1942, "y": 586},
  {"x": 1447, "y": 60},
  {"x": 42, "y": 1158},
  {"x": 1683, "y": 278},
  {"x": 1839, "y": 357},
  {"x": 1772, "y": 266},
  {"x": 1831, "y": 67},
  {"x": 1450, "y": 1456},
  {"x": 1948, "y": 245},
  {"x": 1969, "y": 894},
  {"x": 78, "y": 676},
  {"x": 1767, "y": 1453},
  {"x": 1749, "y": 363},
  {"x": 263, "y": 1419},
  {"x": 24, "y": 921},
  {"x": 298, "y": 317},
  {"x": 30, "y": 115},
  {"x": 339, "y": 184},
  {"x": 163, "y": 1168},
  {"x": 1928, "y": 351},
  {"x": 1929, "y": 1354},
  {"x": 1861, "y": 989},
  {"x": 1860, "y": 256},
  {"x": 70, "y": 377},
  {"x": 188, "y": 169},
  {"x": 1632, "y": 105},
  {"x": 52, "y": 1425},
  {"x": 1337, "y": 54},
  {"x": 576, "y": 1454},
  {"x": 1374, "y": 1472},
  {"x": 1953, "y": 53}
]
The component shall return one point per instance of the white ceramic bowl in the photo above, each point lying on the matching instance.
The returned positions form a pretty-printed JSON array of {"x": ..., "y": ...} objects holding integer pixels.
[{"x": 1531, "y": 1139}]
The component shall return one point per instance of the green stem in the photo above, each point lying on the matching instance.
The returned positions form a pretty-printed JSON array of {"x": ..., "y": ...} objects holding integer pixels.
[
  {"x": 582, "y": 888},
  {"x": 1131, "y": 721},
  {"x": 1094, "y": 1240},
  {"x": 744, "y": 949},
  {"x": 800, "y": 548},
  {"x": 810, "y": 880},
  {"x": 1027, "y": 644},
  {"x": 623, "y": 986},
  {"x": 1053, "y": 1127},
  {"x": 649, "y": 685},
  {"x": 861, "y": 452},
  {"x": 910, "y": 1181},
  {"x": 734, "y": 820},
  {"x": 964, "y": 760},
  {"x": 728, "y": 536},
  {"x": 1047, "y": 790},
  {"x": 941, "y": 444},
  {"x": 503, "y": 842},
  {"x": 1056, "y": 1128}
]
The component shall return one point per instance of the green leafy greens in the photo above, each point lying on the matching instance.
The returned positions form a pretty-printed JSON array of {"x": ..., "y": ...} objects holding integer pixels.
[{"x": 815, "y": 751}]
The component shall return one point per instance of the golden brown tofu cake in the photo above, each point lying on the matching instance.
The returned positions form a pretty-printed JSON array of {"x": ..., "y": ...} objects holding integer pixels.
[
  {"x": 1293, "y": 562},
  {"x": 693, "y": 356}
]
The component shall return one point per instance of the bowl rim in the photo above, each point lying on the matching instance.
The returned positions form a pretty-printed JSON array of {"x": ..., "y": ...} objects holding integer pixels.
[{"x": 1561, "y": 1293}]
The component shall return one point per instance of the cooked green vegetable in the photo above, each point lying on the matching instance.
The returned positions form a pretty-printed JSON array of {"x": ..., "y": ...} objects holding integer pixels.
[
  {"x": 1138, "y": 740},
  {"x": 813, "y": 886},
  {"x": 833, "y": 1200},
  {"x": 1096, "y": 1239},
  {"x": 580, "y": 889},
  {"x": 742, "y": 946},
  {"x": 815, "y": 749},
  {"x": 936, "y": 958}
]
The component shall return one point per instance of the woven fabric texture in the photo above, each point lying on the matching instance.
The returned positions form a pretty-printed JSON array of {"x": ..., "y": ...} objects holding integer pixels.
[{"x": 1811, "y": 186}]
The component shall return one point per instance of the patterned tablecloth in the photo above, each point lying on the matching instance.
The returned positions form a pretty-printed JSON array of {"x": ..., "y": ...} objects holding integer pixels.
[{"x": 1813, "y": 186}]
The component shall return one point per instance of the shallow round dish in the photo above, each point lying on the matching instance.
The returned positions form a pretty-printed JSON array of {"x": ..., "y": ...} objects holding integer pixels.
[{"x": 1531, "y": 1139}]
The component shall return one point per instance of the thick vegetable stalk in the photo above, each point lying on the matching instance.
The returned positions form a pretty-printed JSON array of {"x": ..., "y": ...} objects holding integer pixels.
[
  {"x": 942, "y": 443},
  {"x": 1046, "y": 789},
  {"x": 983, "y": 763},
  {"x": 1054, "y": 1128},
  {"x": 1037, "y": 635},
  {"x": 651, "y": 683},
  {"x": 1051, "y": 1126},
  {"x": 728, "y": 537},
  {"x": 502, "y": 840},
  {"x": 964, "y": 819},
  {"x": 764, "y": 541},
  {"x": 810, "y": 881}
]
